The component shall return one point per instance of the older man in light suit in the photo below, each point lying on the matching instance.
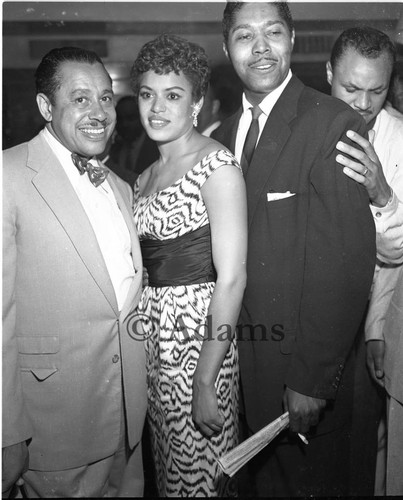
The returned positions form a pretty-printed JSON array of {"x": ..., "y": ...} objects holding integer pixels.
[{"x": 74, "y": 386}]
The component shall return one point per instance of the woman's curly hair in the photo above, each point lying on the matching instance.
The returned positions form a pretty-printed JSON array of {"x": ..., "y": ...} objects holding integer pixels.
[{"x": 169, "y": 53}]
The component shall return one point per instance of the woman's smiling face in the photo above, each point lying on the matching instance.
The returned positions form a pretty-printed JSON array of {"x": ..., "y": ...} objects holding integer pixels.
[{"x": 166, "y": 105}]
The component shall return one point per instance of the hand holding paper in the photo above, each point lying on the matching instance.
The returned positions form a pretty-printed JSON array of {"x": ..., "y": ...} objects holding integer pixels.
[{"x": 239, "y": 456}]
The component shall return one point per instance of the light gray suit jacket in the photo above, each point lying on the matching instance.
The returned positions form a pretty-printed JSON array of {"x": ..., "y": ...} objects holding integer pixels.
[{"x": 66, "y": 348}]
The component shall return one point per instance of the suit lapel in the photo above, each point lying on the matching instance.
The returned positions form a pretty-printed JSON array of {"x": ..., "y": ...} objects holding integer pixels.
[
  {"x": 56, "y": 190},
  {"x": 272, "y": 141},
  {"x": 135, "y": 288}
]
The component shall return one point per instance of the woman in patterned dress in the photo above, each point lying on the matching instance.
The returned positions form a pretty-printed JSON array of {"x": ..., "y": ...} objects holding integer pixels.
[{"x": 190, "y": 212}]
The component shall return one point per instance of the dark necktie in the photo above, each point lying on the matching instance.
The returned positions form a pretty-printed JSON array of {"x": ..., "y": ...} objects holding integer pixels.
[
  {"x": 96, "y": 173},
  {"x": 251, "y": 139}
]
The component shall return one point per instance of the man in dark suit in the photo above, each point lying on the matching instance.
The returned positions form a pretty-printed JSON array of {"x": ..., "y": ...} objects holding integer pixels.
[{"x": 311, "y": 258}]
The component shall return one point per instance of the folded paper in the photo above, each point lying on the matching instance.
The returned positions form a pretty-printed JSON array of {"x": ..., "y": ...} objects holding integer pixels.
[{"x": 231, "y": 462}]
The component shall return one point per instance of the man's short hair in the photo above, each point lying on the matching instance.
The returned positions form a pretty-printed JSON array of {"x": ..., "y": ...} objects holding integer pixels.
[
  {"x": 396, "y": 80},
  {"x": 47, "y": 77},
  {"x": 232, "y": 8},
  {"x": 368, "y": 42}
]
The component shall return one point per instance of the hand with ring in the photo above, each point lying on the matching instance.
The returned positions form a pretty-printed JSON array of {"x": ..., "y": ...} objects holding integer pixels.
[{"x": 363, "y": 166}]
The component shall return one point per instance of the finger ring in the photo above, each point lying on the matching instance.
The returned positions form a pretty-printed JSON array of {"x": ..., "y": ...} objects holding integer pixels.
[{"x": 365, "y": 172}]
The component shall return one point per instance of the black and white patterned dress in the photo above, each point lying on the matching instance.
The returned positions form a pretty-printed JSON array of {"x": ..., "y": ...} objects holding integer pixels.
[{"x": 174, "y": 315}]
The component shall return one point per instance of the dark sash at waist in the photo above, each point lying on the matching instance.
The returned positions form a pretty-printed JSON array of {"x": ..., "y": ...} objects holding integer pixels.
[{"x": 185, "y": 260}]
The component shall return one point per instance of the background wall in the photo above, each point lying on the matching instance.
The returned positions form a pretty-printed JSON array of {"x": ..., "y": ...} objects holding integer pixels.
[{"x": 116, "y": 31}]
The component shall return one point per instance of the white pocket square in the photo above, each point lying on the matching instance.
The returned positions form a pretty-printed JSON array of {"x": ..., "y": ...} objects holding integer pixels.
[{"x": 279, "y": 196}]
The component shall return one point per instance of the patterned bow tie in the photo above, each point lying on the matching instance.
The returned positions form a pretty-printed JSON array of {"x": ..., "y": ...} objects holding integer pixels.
[{"x": 96, "y": 173}]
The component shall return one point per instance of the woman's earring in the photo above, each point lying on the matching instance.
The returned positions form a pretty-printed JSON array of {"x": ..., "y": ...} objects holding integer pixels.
[{"x": 195, "y": 112}]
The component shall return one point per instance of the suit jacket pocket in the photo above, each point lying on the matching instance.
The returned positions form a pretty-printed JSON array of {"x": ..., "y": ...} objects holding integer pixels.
[
  {"x": 38, "y": 355},
  {"x": 283, "y": 203},
  {"x": 38, "y": 345},
  {"x": 40, "y": 373}
]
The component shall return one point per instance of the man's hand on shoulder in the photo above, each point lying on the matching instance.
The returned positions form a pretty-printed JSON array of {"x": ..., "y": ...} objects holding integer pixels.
[
  {"x": 15, "y": 460},
  {"x": 363, "y": 166},
  {"x": 304, "y": 410}
]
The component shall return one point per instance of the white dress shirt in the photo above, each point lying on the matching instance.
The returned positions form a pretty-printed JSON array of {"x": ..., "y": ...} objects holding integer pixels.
[
  {"x": 106, "y": 220},
  {"x": 266, "y": 106},
  {"x": 388, "y": 145}
]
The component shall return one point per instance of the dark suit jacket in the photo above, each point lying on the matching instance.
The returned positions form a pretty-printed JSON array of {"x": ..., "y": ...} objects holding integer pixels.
[{"x": 311, "y": 256}]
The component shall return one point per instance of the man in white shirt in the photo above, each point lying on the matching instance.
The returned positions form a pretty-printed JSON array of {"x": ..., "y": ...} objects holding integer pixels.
[
  {"x": 74, "y": 386},
  {"x": 359, "y": 73}
]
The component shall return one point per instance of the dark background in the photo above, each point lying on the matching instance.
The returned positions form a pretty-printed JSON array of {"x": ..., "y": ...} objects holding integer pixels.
[{"x": 116, "y": 31}]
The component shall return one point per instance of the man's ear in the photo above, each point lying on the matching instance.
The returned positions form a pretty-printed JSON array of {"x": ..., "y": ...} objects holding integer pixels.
[
  {"x": 224, "y": 48},
  {"x": 215, "y": 106},
  {"x": 292, "y": 38},
  {"x": 329, "y": 73},
  {"x": 45, "y": 106}
]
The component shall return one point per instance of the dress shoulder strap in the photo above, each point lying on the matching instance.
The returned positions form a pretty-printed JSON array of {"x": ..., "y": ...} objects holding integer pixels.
[{"x": 209, "y": 164}]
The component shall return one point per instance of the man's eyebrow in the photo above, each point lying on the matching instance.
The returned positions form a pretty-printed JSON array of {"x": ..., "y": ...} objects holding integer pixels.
[
  {"x": 349, "y": 84},
  {"x": 84, "y": 90},
  {"x": 355, "y": 87},
  {"x": 266, "y": 24},
  {"x": 380, "y": 87}
]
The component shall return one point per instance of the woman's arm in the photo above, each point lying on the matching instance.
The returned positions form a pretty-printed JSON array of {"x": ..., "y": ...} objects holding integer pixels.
[{"x": 225, "y": 199}]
